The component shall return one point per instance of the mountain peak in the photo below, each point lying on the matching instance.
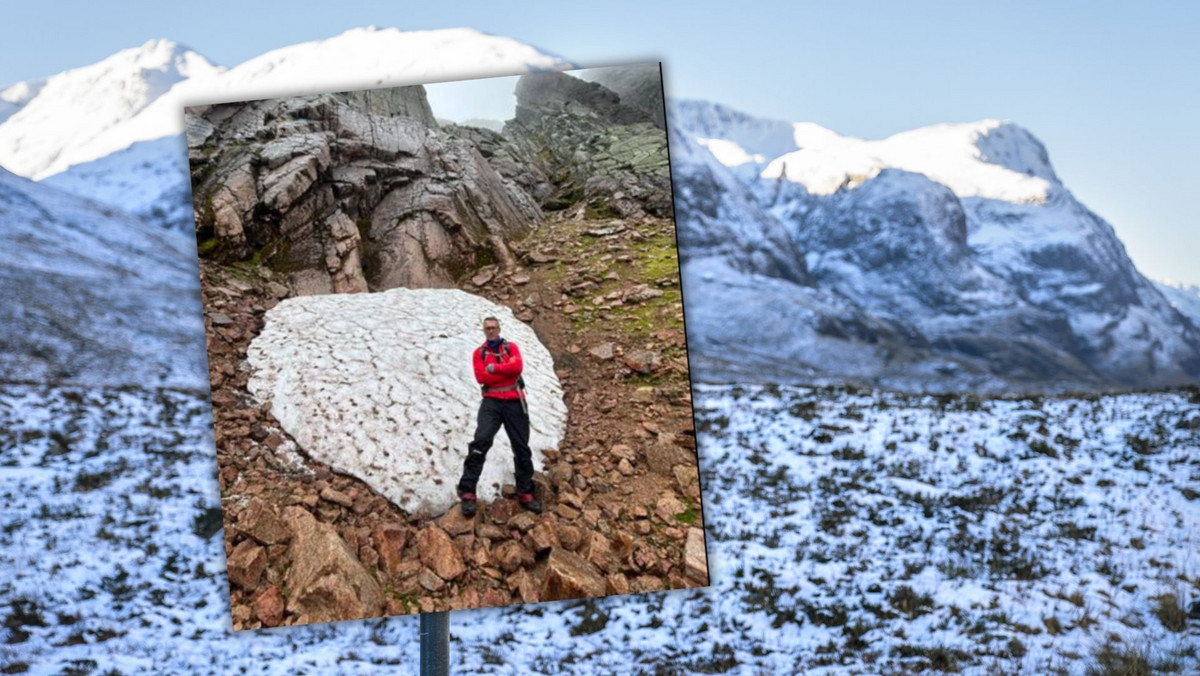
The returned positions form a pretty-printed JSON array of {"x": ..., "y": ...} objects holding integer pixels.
[
  {"x": 135, "y": 95},
  {"x": 1002, "y": 143},
  {"x": 750, "y": 136},
  {"x": 45, "y": 125},
  {"x": 171, "y": 58},
  {"x": 160, "y": 47}
]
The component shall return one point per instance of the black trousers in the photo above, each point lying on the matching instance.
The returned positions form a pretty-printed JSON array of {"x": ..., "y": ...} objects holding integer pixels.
[{"x": 494, "y": 413}]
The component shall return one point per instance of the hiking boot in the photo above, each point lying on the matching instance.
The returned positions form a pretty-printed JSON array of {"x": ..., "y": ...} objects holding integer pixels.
[
  {"x": 469, "y": 505},
  {"x": 529, "y": 502}
]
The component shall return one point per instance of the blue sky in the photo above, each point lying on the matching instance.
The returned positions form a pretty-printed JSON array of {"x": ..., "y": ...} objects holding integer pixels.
[{"x": 1111, "y": 89}]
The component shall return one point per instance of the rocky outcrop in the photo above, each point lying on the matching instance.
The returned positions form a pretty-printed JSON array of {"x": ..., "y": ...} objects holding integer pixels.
[
  {"x": 639, "y": 86},
  {"x": 512, "y": 160},
  {"x": 348, "y": 192},
  {"x": 591, "y": 147}
]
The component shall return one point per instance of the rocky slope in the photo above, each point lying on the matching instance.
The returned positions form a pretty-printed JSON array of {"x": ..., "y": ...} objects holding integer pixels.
[
  {"x": 621, "y": 490},
  {"x": 348, "y": 192},
  {"x": 590, "y": 146},
  {"x": 94, "y": 296},
  {"x": 639, "y": 86},
  {"x": 952, "y": 257}
]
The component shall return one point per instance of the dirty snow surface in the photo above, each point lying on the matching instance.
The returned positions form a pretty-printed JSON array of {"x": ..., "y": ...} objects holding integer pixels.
[
  {"x": 848, "y": 532},
  {"x": 381, "y": 386}
]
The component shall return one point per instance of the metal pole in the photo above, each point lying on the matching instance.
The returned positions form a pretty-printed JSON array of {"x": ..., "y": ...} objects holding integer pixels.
[{"x": 435, "y": 644}]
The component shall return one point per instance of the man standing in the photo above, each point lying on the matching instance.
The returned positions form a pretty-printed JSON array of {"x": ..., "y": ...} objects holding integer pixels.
[{"x": 498, "y": 369}]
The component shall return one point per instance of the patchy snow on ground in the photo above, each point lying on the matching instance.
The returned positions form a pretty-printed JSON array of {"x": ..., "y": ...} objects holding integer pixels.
[
  {"x": 381, "y": 386},
  {"x": 848, "y": 532},
  {"x": 881, "y": 532}
]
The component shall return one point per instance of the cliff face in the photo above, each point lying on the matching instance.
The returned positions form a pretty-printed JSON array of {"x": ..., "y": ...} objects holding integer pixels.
[
  {"x": 364, "y": 191},
  {"x": 639, "y": 85},
  {"x": 348, "y": 192},
  {"x": 586, "y": 145}
]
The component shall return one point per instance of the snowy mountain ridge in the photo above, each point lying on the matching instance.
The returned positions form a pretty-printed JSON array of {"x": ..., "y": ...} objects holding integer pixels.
[
  {"x": 988, "y": 158},
  {"x": 83, "y": 117},
  {"x": 70, "y": 117},
  {"x": 970, "y": 259}
]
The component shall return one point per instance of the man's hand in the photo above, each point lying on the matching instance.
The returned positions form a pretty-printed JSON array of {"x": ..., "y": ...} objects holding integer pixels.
[{"x": 491, "y": 368}]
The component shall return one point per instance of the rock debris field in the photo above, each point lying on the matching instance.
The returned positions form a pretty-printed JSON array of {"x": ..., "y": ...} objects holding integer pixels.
[{"x": 620, "y": 486}]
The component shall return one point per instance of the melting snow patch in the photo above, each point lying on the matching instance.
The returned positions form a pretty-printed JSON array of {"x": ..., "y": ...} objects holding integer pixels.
[{"x": 381, "y": 386}]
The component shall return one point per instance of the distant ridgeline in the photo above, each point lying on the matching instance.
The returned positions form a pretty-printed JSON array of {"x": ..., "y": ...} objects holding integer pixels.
[
  {"x": 945, "y": 258},
  {"x": 99, "y": 258}
]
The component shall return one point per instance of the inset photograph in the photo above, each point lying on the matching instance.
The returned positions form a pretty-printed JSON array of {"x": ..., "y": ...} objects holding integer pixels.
[{"x": 446, "y": 346}]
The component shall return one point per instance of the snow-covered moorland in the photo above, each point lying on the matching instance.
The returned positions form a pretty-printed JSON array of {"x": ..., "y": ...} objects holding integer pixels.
[
  {"x": 849, "y": 531},
  {"x": 885, "y": 532}
]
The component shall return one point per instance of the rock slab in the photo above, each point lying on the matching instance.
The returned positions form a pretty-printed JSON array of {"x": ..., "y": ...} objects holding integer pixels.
[{"x": 326, "y": 580}]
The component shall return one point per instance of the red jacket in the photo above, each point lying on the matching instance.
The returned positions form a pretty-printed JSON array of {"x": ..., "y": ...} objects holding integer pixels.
[{"x": 507, "y": 368}]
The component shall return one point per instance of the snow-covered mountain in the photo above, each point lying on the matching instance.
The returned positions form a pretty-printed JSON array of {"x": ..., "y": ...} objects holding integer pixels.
[
  {"x": 100, "y": 118},
  {"x": 950, "y": 257},
  {"x": 93, "y": 295},
  {"x": 85, "y": 113},
  {"x": 1183, "y": 297},
  {"x": 102, "y": 296}
]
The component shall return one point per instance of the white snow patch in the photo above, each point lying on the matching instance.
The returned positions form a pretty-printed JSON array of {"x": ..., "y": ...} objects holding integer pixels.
[
  {"x": 729, "y": 153},
  {"x": 916, "y": 487},
  {"x": 381, "y": 386}
]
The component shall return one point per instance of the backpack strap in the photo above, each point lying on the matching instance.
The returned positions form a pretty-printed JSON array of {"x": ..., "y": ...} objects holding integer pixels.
[{"x": 483, "y": 351}]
